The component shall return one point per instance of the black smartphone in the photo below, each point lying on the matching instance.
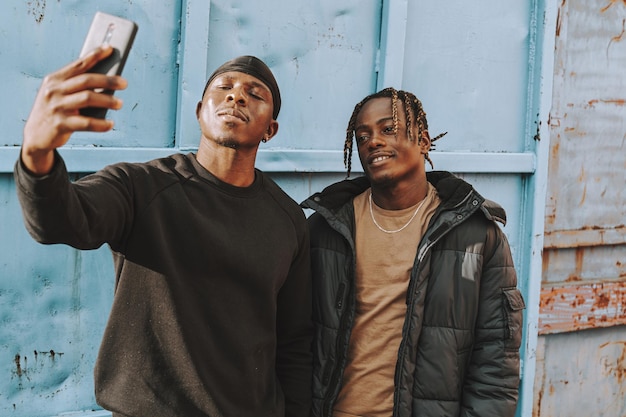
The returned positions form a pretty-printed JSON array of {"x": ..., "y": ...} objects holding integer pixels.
[{"x": 120, "y": 34}]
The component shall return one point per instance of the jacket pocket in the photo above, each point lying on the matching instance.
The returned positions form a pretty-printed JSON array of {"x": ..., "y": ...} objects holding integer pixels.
[{"x": 513, "y": 304}]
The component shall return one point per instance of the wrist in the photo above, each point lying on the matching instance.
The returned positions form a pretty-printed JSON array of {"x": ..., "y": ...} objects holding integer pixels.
[{"x": 36, "y": 161}]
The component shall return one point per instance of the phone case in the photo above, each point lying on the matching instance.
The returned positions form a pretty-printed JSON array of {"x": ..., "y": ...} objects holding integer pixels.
[{"x": 120, "y": 34}]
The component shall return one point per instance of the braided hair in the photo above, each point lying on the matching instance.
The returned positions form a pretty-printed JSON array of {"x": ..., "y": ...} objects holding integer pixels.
[{"x": 412, "y": 109}]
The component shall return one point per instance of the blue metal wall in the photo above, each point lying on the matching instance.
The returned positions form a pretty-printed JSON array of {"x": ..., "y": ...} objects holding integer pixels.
[{"x": 477, "y": 70}]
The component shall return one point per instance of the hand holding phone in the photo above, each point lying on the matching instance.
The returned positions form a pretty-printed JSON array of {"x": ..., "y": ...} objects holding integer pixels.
[{"x": 111, "y": 30}]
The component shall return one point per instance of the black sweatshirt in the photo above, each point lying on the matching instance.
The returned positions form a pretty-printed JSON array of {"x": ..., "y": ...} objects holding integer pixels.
[{"x": 211, "y": 313}]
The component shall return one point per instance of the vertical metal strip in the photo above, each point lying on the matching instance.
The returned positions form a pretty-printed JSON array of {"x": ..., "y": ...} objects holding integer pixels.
[
  {"x": 192, "y": 59},
  {"x": 541, "y": 76},
  {"x": 392, "y": 44}
]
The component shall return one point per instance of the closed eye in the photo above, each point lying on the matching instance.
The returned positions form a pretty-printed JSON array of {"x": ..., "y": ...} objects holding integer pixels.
[{"x": 256, "y": 94}]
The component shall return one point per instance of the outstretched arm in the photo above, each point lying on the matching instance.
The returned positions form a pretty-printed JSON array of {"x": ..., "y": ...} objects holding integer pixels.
[{"x": 55, "y": 113}]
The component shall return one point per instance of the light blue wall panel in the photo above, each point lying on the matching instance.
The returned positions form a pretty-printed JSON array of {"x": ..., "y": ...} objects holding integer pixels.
[
  {"x": 323, "y": 54},
  {"x": 38, "y": 37},
  {"x": 54, "y": 302},
  {"x": 471, "y": 66}
]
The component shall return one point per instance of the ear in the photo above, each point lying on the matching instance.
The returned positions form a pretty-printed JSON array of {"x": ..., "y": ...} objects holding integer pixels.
[
  {"x": 425, "y": 143},
  {"x": 272, "y": 129},
  {"x": 198, "y": 108}
]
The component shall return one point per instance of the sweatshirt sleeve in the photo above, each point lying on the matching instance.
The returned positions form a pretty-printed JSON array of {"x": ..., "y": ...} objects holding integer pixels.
[
  {"x": 294, "y": 328},
  {"x": 83, "y": 214},
  {"x": 492, "y": 383}
]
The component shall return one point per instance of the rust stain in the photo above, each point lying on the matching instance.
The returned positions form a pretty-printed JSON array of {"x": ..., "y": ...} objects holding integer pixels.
[
  {"x": 616, "y": 101},
  {"x": 611, "y": 4},
  {"x": 621, "y": 368},
  {"x": 621, "y": 35},
  {"x": 584, "y": 237},
  {"x": 618, "y": 367},
  {"x": 545, "y": 261},
  {"x": 580, "y": 258},
  {"x": 580, "y": 306},
  {"x": 559, "y": 19},
  {"x": 579, "y": 300},
  {"x": 573, "y": 278},
  {"x": 602, "y": 301},
  {"x": 538, "y": 394}
]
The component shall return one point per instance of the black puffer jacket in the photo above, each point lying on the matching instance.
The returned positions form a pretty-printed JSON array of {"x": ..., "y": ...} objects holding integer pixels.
[{"x": 459, "y": 354}]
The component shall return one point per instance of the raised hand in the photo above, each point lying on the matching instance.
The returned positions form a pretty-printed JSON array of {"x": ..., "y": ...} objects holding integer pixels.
[{"x": 55, "y": 113}]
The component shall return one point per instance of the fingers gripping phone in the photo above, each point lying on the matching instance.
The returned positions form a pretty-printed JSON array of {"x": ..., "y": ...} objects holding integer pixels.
[{"x": 120, "y": 34}]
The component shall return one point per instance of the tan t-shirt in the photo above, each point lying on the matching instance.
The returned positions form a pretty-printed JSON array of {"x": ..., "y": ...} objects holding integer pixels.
[{"x": 384, "y": 262}]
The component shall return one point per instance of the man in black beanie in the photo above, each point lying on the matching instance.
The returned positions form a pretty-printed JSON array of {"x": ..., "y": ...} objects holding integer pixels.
[{"x": 212, "y": 306}]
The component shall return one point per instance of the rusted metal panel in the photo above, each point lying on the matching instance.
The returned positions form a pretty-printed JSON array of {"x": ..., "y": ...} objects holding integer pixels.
[
  {"x": 587, "y": 167},
  {"x": 585, "y": 237},
  {"x": 567, "y": 308},
  {"x": 585, "y": 232},
  {"x": 581, "y": 374},
  {"x": 594, "y": 263},
  {"x": 581, "y": 353}
]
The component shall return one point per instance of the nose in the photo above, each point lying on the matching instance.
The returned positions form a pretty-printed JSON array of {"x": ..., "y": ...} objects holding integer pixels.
[
  {"x": 376, "y": 141},
  {"x": 237, "y": 95}
]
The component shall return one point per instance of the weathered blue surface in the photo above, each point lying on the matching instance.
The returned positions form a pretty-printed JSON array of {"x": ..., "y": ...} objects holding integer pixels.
[{"x": 475, "y": 69}]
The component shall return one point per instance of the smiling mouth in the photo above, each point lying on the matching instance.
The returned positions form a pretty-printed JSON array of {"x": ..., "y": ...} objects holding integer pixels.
[{"x": 379, "y": 159}]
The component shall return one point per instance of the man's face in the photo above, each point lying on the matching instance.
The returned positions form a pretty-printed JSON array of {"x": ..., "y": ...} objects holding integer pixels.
[
  {"x": 236, "y": 111},
  {"x": 388, "y": 158}
]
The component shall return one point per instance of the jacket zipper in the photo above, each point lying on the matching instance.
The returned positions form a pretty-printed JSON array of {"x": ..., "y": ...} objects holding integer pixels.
[{"x": 411, "y": 305}]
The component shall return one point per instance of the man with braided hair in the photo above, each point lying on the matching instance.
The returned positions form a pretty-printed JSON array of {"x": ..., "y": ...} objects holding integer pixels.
[{"x": 415, "y": 305}]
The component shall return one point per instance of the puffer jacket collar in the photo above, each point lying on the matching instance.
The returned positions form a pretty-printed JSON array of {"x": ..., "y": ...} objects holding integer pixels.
[{"x": 452, "y": 191}]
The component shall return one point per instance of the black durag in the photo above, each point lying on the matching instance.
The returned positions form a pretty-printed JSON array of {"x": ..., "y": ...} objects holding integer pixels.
[{"x": 251, "y": 65}]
